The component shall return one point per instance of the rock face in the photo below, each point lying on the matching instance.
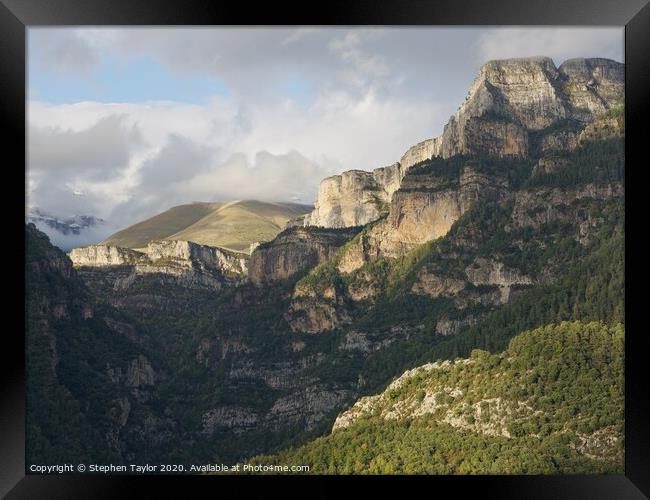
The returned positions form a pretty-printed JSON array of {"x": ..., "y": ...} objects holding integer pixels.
[
  {"x": 182, "y": 262},
  {"x": 535, "y": 208},
  {"x": 592, "y": 86},
  {"x": 422, "y": 151},
  {"x": 293, "y": 251},
  {"x": 512, "y": 97},
  {"x": 229, "y": 417},
  {"x": 105, "y": 255},
  {"x": 423, "y": 209},
  {"x": 508, "y": 100},
  {"x": 311, "y": 312},
  {"x": 430, "y": 281},
  {"x": 491, "y": 272},
  {"x": 354, "y": 198},
  {"x": 193, "y": 255},
  {"x": 306, "y": 408}
]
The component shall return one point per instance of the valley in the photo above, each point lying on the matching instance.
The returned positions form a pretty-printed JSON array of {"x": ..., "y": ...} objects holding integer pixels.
[{"x": 459, "y": 311}]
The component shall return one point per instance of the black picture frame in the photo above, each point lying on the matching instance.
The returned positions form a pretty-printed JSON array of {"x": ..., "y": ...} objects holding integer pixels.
[{"x": 17, "y": 15}]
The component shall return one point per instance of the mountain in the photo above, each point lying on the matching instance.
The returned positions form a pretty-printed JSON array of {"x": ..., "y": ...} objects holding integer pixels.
[
  {"x": 232, "y": 225},
  {"x": 88, "y": 370},
  {"x": 512, "y": 107},
  {"x": 260, "y": 355},
  {"x": 68, "y": 232},
  {"x": 474, "y": 415}
]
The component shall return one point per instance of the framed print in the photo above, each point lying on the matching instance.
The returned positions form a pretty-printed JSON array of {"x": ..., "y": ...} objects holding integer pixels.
[{"x": 376, "y": 242}]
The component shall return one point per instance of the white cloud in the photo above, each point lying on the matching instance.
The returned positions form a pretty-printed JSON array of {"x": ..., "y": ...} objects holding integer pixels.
[
  {"x": 98, "y": 151},
  {"x": 271, "y": 151}
]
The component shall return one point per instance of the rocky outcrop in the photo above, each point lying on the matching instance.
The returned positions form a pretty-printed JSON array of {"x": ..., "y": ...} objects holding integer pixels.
[
  {"x": 180, "y": 262},
  {"x": 432, "y": 281},
  {"x": 304, "y": 408},
  {"x": 592, "y": 86},
  {"x": 451, "y": 326},
  {"x": 276, "y": 375},
  {"x": 357, "y": 197},
  {"x": 354, "y": 198},
  {"x": 367, "y": 342},
  {"x": 189, "y": 254},
  {"x": 105, "y": 255},
  {"x": 294, "y": 251},
  {"x": 512, "y": 97},
  {"x": 212, "y": 351},
  {"x": 315, "y": 312},
  {"x": 140, "y": 373},
  {"x": 492, "y": 272},
  {"x": 422, "y": 151}
]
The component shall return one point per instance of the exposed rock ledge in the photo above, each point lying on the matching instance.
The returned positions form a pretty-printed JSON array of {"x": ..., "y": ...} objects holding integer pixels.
[
  {"x": 185, "y": 262},
  {"x": 105, "y": 255}
]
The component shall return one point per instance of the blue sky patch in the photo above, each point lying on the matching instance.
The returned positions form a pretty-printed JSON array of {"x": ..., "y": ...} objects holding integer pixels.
[{"x": 136, "y": 80}]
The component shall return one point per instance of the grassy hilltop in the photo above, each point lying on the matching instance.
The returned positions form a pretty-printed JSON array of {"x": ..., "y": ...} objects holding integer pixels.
[{"x": 233, "y": 225}]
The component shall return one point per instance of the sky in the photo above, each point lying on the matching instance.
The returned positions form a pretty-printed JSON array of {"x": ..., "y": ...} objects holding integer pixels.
[{"x": 124, "y": 123}]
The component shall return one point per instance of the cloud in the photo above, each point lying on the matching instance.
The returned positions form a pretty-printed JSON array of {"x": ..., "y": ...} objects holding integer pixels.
[
  {"x": 99, "y": 151},
  {"x": 141, "y": 157},
  {"x": 269, "y": 177},
  {"x": 297, "y": 35},
  {"x": 178, "y": 160},
  {"x": 558, "y": 43},
  {"x": 86, "y": 236},
  {"x": 63, "y": 51}
]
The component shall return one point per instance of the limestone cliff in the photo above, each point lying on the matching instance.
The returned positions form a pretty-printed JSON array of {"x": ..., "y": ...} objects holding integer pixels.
[
  {"x": 513, "y": 97},
  {"x": 422, "y": 151},
  {"x": 509, "y": 101},
  {"x": 354, "y": 198},
  {"x": 181, "y": 262},
  {"x": 423, "y": 209},
  {"x": 293, "y": 251},
  {"x": 105, "y": 255}
]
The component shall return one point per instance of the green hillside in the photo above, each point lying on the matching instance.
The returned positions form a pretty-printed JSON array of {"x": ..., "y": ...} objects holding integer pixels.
[
  {"x": 234, "y": 225},
  {"x": 551, "y": 403}
]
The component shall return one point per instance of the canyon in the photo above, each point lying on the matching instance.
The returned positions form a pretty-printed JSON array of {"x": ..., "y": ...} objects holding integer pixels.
[{"x": 237, "y": 353}]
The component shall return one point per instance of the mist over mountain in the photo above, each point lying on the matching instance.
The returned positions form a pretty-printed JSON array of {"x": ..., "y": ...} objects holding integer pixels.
[{"x": 70, "y": 232}]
